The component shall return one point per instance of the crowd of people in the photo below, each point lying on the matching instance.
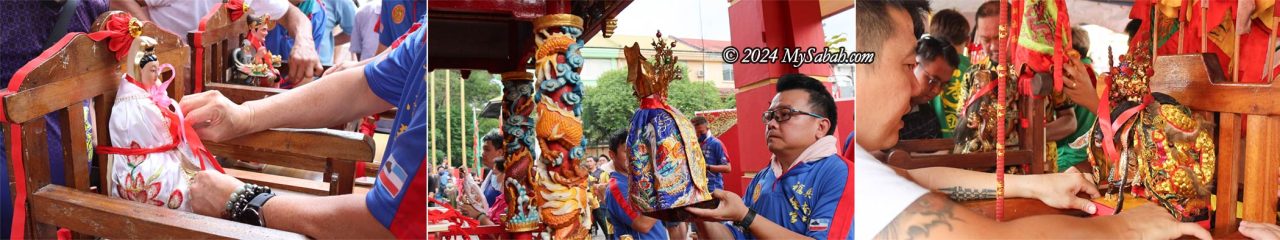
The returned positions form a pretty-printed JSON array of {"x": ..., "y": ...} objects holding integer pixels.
[{"x": 800, "y": 134}]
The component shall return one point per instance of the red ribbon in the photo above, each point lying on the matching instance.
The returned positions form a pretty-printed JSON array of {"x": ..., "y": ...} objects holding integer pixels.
[
  {"x": 178, "y": 129},
  {"x": 19, "y": 173},
  {"x": 235, "y": 8},
  {"x": 653, "y": 102},
  {"x": 985, "y": 89},
  {"x": 1109, "y": 127},
  {"x": 452, "y": 215},
  {"x": 412, "y": 28},
  {"x": 116, "y": 31}
]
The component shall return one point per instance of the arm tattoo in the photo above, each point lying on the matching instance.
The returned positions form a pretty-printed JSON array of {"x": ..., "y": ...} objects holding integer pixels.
[
  {"x": 966, "y": 194},
  {"x": 925, "y": 214}
]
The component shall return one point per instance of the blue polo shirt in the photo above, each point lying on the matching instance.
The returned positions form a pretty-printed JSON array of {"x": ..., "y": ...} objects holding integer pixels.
[
  {"x": 810, "y": 190},
  {"x": 397, "y": 16},
  {"x": 621, "y": 212},
  {"x": 398, "y": 197},
  {"x": 713, "y": 151}
]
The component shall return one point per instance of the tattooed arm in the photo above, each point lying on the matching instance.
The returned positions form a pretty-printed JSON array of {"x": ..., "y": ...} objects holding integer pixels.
[
  {"x": 1056, "y": 190},
  {"x": 933, "y": 216}
]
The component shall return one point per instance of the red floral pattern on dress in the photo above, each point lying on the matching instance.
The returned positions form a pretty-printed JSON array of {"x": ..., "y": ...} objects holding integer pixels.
[
  {"x": 137, "y": 189},
  {"x": 175, "y": 199},
  {"x": 135, "y": 160}
]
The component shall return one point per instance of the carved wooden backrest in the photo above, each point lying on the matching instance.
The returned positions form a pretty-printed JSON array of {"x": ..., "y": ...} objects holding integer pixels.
[
  {"x": 1197, "y": 81},
  {"x": 213, "y": 42}
]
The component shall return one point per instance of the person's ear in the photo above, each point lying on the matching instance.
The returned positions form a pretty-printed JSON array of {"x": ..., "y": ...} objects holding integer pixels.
[{"x": 823, "y": 126}]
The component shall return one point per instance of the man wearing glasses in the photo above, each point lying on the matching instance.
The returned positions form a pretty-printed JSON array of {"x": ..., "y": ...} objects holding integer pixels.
[
  {"x": 803, "y": 192},
  {"x": 936, "y": 60}
]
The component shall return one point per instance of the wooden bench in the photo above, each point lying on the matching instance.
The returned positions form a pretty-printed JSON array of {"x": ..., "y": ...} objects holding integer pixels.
[
  {"x": 214, "y": 40},
  {"x": 77, "y": 69}
]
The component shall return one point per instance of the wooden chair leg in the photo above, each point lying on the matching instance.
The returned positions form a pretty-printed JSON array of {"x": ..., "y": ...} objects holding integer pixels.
[{"x": 346, "y": 177}]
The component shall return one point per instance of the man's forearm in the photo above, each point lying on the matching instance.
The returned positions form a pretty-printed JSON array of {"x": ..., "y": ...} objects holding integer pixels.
[
  {"x": 339, "y": 98},
  {"x": 1062, "y": 127},
  {"x": 342, "y": 38},
  {"x": 298, "y": 25},
  {"x": 963, "y": 185},
  {"x": 713, "y": 230},
  {"x": 344, "y": 216},
  {"x": 719, "y": 168},
  {"x": 934, "y": 217},
  {"x": 132, "y": 7},
  {"x": 763, "y": 228}
]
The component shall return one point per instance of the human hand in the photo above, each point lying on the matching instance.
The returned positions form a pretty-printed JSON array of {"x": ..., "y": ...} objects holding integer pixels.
[
  {"x": 1260, "y": 231},
  {"x": 215, "y": 117},
  {"x": 339, "y": 66},
  {"x": 210, "y": 191},
  {"x": 1060, "y": 190},
  {"x": 731, "y": 208},
  {"x": 304, "y": 63},
  {"x": 1150, "y": 221},
  {"x": 1078, "y": 85},
  {"x": 469, "y": 210}
]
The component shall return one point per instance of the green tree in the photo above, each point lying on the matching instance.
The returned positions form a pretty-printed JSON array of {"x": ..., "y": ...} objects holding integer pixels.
[
  {"x": 481, "y": 87},
  {"x": 608, "y": 106}
]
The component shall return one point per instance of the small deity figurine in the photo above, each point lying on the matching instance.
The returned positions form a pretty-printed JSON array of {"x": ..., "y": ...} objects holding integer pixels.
[
  {"x": 254, "y": 64},
  {"x": 1149, "y": 145},
  {"x": 153, "y": 153}
]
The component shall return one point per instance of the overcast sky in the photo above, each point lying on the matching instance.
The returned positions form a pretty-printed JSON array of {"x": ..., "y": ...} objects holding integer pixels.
[{"x": 706, "y": 19}]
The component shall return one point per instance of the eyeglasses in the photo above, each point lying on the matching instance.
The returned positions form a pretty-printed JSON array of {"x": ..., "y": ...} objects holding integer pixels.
[{"x": 782, "y": 114}]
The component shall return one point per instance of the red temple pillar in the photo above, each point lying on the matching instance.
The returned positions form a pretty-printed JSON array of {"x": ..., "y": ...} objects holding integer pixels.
[{"x": 772, "y": 25}]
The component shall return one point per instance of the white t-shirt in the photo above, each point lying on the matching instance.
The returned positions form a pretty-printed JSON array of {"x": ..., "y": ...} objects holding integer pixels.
[
  {"x": 183, "y": 16},
  {"x": 881, "y": 193},
  {"x": 365, "y": 41}
]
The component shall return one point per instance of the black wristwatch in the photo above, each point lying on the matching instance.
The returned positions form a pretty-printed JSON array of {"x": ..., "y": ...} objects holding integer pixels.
[
  {"x": 245, "y": 205},
  {"x": 745, "y": 223},
  {"x": 253, "y": 213}
]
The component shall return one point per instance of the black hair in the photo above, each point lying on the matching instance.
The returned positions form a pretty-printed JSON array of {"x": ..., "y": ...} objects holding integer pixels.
[
  {"x": 949, "y": 25},
  {"x": 146, "y": 58},
  {"x": 929, "y": 48},
  {"x": 987, "y": 9},
  {"x": 617, "y": 139},
  {"x": 873, "y": 23},
  {"x": 1132, "y": 27},
  {"x": 819, "y": 98},
  {"x": 494, "y": 138},
  {"x": 698, "y": 120},
  {"x": 918, "y": 10}
]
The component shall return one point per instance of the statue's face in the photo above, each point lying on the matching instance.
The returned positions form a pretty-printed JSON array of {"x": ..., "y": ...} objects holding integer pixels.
[
  {"x": 150, "y": 74},
  {"x": 261, "y": 31}
]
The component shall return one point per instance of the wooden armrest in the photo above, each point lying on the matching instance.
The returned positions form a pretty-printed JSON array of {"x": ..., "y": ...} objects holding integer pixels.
[
  {"x": 241, "y": 93},
  {"x": 108, "y": 217},
  {"x": 1015, "y": 208},
  {"x": 317, "y": 188},
  {"x": 903, "y": 159},
  {"x": 306, "y": 149},
  {"x": 926, "y": 145}
]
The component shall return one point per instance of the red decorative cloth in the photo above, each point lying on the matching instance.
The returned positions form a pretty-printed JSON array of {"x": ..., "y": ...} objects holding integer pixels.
[
  {"x": 236, "y": 9},
  {"x": 119, "y": 30}
]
